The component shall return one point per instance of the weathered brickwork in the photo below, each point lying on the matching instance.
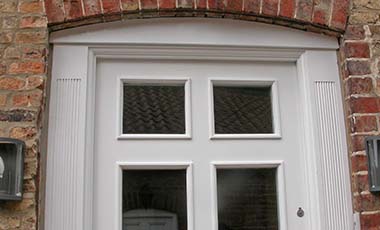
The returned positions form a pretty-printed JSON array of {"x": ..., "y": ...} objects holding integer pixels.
[
  {"x": 327, "y": 16},
  {"x": 23, "y": 51},
  {"x": 23, "y": 68},
  {"x": 360, "y": 62}
]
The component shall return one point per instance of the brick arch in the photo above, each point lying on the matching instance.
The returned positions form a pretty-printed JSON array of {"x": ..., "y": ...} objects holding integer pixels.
[{"x": 328, "y": 16}]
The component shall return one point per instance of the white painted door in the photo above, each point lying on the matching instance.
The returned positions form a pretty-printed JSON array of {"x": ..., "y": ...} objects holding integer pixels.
[{"x": 209, "y": 157}]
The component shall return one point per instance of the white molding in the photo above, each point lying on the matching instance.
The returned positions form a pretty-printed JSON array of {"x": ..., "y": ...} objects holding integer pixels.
[
  {"x": 244, "y": 82},
  {"x": 180, "y": 31},
  {"x": 195, "y": 52},
  {"x": 157, "y": 80},
  {"x": 123, "y": 165},
  {"x": 314, "y": 62},
  {"x": 280, "y": 183}
]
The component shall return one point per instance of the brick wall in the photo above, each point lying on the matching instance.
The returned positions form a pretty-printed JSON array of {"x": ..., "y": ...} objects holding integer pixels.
[
  {"x": 360, "y": 56},
  {"x": 23, "y": 54},
  {"x": 23, "y": 50}
]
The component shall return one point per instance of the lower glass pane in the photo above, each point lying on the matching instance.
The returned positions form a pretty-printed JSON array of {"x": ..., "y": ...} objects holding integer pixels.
[
  {"x": 247, "y": 199},
  {"x": 154, "y": 200}
]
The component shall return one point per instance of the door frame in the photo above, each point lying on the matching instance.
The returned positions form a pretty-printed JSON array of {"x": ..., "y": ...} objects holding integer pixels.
[{"x": 72, "y": 107}]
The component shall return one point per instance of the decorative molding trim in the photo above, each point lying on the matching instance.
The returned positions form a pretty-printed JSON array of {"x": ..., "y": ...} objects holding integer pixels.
[
  {"x": 80, "y": 60},
  {"x": 64, "y": 190},
  {"x": 332, "y": 170}
]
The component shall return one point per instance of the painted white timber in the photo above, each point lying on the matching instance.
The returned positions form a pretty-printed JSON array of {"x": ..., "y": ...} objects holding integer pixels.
[
  {"x": 194, "y": 31},
  {"x": 330, "y": 150},
  {"x": 65, "y": 158},
  {"x": 71, "y": 118}
]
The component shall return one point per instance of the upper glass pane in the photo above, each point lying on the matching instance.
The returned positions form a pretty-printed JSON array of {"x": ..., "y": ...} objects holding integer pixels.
[
  {"x": 154, "y": 200},
  {"x": 247, "y": 199},
  {"x": 153, "y": 109},
  {"x": 242, "y": 110}
]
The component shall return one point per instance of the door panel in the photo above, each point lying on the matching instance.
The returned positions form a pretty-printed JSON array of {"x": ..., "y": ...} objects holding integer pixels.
[{"x": 199, "y": 149}]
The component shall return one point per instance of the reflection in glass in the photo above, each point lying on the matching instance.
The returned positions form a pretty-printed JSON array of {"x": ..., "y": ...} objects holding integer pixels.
[
  {"x": 247, "y": 199},
  {"x": 242, "y": 110},
  {"x": 154, "y": 200}
]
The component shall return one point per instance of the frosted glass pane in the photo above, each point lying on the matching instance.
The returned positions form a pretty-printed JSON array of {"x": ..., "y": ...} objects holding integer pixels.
[
  {"x": 153, "y": 109},
  {"x": 242, "y": 110},
  {"x": 154, "y": 200},
  {"x": 247, "y": 199}
]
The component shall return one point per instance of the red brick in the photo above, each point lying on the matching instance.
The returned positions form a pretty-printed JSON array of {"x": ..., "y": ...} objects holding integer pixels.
[
  {"x": 27, "y": 67},
  {"x": 6, "y": 37},
  {"x": 33, "y": 22},
  {"x": 148, "y": 4},
  {"x": 339, "y": 14},
  {"x": 130, "y": 5},
  {"x": 370, "y": 202},
  {"x": 23, "y": 133},
  {"x": 252, "y": 6},
  {"x": 31, "y": 37},
  {"x": 11, "y": 83},
  {"x": 359, "y": 163},
  {"x": 111, "y": 6},
  {"x": 354, "y": 33},
  {"x": 54, "y": 10},
  {"x": 33, "y": 82},
  {"x": 3, "y": 99},
  {"x": 270, "y": 7},
  {"x": 7, "y": 6},
  {"x": 3, "y": 68},
  {"x": 216, "y": 4},
  {"x": 12, "y": 53},
  {"x": 73, "y": 9},
  {"x": 287, "y": 8},
  {"x": 304, "y": 10},
  {"x": 234, "y": 5},
  {"x": 201, "y": 4},
  {"x": 359, "y": 86},
  {"x": 91, "y": 7},
  {"x": 167, "y": 4},
  {"x": 358, "y": 67},
  {"x": 362, "y": 182},
  {"x": 34, "y": 52},
  {"x": 29, "y": 186},
  {"x": 33, "y": 98},
  {"x": 320, "y": 17},
  {"x": 357, "y": 50},
  {"x": 357, "y": 203},
  {"x": 357, "y": 143},
  {"x": 31, "y": 7},
  {"x": 365, "y": 105},
  {"x": 363, "y": 124},
  {"x": 370, "y": 221}
]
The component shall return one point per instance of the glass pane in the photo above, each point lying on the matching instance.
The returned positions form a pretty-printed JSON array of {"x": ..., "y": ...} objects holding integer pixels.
[
  {"x": 154, "y": 109},
  {"x": 242, "y": 110},
  {"x": 247, "y": 199},
  {"x": 154, "y": 200}
]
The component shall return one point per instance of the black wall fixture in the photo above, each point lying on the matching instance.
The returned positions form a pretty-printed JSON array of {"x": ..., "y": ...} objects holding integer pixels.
[
  {"x": 373, "y": 155},
  {"x": 11, "y": 168}
]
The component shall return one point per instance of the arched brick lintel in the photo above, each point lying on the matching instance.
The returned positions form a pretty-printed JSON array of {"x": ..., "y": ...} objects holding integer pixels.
[{"x": 327, "y": 16}]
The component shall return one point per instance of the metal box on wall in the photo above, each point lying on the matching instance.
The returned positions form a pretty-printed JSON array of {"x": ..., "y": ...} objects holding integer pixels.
[
  {"x": 373, "y": 154},
  {"x": 11, "y": 168}
]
